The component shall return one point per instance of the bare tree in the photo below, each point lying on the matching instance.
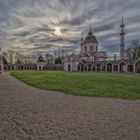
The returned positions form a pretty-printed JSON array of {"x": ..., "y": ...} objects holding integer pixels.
[
  {"x": 5, "y": 56},
  {"x": 11, "y": 56},
  {"x": 133, "y": 52},
  {"x": 17, "y": 58}
]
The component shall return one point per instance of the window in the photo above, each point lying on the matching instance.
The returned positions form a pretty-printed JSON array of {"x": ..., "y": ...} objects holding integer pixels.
[
  {"x": 91, "y": 48},
  {"x": 85, "y": 48}
]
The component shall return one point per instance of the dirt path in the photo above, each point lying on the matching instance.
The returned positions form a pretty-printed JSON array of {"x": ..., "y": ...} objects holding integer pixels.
[{"x": 34, "y": 114}]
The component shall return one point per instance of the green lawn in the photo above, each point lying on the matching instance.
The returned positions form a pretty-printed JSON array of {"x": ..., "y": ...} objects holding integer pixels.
[{"x": 84, "y": 84}]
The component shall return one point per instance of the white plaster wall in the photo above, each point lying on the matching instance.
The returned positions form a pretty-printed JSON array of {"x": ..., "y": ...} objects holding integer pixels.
[
  {"x": 42, "y": 64},
  {"x": 100, "y": 59},
  {"x": 88, "y": 47},
  {"x": 74, "y": 66}
]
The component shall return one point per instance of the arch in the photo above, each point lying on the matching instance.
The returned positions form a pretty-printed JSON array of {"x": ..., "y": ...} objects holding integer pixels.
[
  {"x": 96, "y": 48},
  {"x": 130, "y": 68},
  {"x": 79, "y": 68},
  {"x": 5, "y": 67},
  {"x": 103, "y": 67},
  {"x": 85, "y": 48},
  {"x": 86, "y": 68},
  {"x": 115, "y": 68},
  {"x": 27, "y": 67},
  {"x": 69, "y": 67},
  {"x": 89, "y": 67},
  {"x": 138, "y": 66},
  {"x": 21, "y": 67},
  {"x": 93, "y": 67},
  {"x": 91, "y": 48},
  {"x": 82, "y": 67},
  {"x": 98, "y": 67},
  {"x": 123, "y": 66},
  {"x": 109, "y": 67},
  {"x": 39, "y": 68},
  {"x": 9, "y": 68}
]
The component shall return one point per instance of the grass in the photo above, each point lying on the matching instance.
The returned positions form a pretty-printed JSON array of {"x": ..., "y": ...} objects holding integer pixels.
[{"x": 126, "y": 86}]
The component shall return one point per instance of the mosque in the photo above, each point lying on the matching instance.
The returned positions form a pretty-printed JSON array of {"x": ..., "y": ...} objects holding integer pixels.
[{"x": 89, "y": 59}]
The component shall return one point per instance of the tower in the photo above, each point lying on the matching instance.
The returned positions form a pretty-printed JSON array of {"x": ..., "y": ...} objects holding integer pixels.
[
  {"x": 81, "y": 38},
  {"x": 90, "y": 32},
  {"x": 122, "y": 41}
]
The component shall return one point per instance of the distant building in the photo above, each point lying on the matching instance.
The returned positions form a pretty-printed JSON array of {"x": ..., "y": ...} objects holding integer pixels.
[
  {"x": 48, "y": 65},
  {"x": 88, "y": 56}
]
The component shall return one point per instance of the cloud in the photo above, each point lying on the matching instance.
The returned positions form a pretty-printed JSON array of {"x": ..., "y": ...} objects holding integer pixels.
[{"x": 29, "y": 25}]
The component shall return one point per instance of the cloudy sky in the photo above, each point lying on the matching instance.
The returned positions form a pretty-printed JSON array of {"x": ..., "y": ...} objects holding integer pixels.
[{"x": 34, "y": 26}]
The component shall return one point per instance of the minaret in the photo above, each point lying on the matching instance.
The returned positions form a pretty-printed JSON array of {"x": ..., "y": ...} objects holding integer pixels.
[
  {"x": 90, "y": 32},
  {"x": 122, "y": 41},
  {"x": 81, "y": 38}
]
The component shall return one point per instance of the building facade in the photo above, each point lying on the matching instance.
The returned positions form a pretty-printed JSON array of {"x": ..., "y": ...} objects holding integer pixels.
[
  {"x": 43, "y": 65},
  {"x": 90, "y": 59}
]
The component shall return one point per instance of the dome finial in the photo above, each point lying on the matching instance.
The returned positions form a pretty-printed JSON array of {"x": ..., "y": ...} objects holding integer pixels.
[
  {"x": 90, "y": 32},
  {"x": 81, "y": 38},
  {"x": 122, "y": 24}
]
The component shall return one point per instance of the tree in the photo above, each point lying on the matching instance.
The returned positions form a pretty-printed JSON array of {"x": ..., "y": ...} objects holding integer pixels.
[
  {"x": 5, "y": 57},
  {"x": 58, "y": 60},
  {"x": 4, "y": 60},
  {"x": 133, "y": 52},
  {"x": 47, "y": 56},
  {"x": 17, "y": 58},
  {"x": 11, "y": 56}
]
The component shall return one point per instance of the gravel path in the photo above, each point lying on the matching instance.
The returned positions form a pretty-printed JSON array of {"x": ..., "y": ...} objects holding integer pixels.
[{"x": 27, "y": 113}]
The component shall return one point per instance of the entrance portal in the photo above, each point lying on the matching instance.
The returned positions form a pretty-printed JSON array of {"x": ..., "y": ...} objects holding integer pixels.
[
  {"x": 138, "y": 67},
  {"x": 69, "y": 67},
  {"x": 123, "y": 67},
  {"x": 109, "y": 67}
]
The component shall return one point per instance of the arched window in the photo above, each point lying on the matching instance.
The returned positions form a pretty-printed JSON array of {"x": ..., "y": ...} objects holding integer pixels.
[
  {"x": 96, "y": 48},
  {"x": 91, "y": 48},
  {"x": 85, "y": 48}
]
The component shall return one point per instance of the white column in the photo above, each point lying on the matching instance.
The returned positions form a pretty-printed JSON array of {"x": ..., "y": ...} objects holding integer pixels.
[
  {"x": 134, "y": 68},
  {"x": 126, "y": 68},
  {"x": 95, "y": 68},
  {"x": 105, "y": 68},
  {"x": 87, "y": 67},
  {"x": 101, "y": 68},
  {"x": 80, "y": 68},
  {"x": 91, "y": 67},
  {"x": 112, "y": 68}
]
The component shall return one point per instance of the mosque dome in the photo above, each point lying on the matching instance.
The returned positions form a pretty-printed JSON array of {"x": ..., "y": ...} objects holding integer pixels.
[
  {"x": 90, "y": 38},
  {"x": 40, "y": 59}
]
